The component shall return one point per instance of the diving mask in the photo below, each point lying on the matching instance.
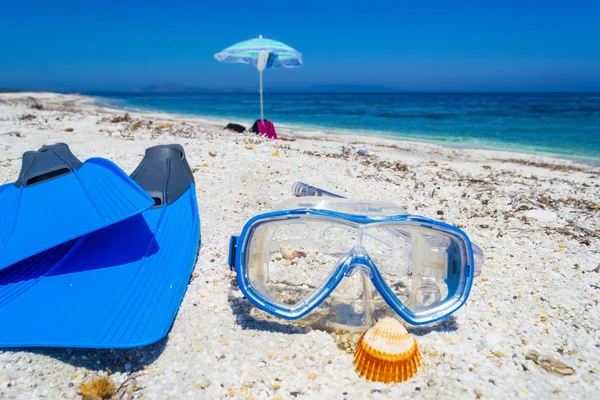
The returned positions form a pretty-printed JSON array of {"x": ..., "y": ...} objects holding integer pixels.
[{"x": 305, "y": 256}]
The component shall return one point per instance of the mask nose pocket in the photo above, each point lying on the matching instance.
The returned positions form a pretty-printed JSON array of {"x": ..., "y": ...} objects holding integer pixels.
[
  {"x": 350, "y": 306},
  {"x": 354, "y": 268}
]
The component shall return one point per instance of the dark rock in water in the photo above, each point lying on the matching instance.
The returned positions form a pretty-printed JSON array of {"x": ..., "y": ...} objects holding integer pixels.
[{"x": 236, "y": 127}]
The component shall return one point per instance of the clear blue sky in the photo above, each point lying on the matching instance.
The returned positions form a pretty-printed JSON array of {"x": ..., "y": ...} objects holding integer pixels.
[{"x": 419, "y": 45}]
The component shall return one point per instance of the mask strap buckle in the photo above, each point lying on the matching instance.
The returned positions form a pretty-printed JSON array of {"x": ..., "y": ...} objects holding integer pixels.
[{"x": 232, "y": 251}]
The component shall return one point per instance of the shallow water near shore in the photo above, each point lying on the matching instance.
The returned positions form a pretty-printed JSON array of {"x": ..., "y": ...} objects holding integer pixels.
[{"x": 566, "y": 125}]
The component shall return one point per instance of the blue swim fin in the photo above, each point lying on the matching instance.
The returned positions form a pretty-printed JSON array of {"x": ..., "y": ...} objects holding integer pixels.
[
  {"x": 58, "y": 198},
  {"x": 117, "y": 287}
]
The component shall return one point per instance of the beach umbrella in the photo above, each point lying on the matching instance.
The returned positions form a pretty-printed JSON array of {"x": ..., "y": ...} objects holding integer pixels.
[{"x": 262, "y": 53}]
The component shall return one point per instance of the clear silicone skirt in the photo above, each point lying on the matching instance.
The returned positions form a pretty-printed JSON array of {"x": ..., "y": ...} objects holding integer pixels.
[{"x": 338, "y": 263}]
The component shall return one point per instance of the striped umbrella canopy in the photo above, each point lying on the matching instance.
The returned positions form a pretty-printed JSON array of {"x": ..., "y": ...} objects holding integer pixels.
[{"x": 262, "y": 53}]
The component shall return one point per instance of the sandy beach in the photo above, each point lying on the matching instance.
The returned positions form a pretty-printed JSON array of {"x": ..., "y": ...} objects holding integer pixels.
[{"x": 539, "y": 289}]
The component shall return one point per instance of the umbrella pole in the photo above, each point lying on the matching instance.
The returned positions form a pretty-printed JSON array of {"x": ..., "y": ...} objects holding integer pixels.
[{"x": 262, "y": 117}]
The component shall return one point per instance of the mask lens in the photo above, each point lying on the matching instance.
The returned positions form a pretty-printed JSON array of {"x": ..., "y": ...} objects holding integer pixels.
[
  {"x": 423, "y": 267},
  {"x": 290, "y": 260}
]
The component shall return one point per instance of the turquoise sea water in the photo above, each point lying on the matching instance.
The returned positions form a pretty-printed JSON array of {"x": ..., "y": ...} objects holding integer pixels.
[{"x": 560, "y": 124}]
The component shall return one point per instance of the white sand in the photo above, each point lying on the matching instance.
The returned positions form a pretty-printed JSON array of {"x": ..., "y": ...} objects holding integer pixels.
[{"x": 539, "y": 289}]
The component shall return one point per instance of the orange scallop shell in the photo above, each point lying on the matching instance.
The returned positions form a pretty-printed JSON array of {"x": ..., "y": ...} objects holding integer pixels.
[{"x": 386, "y": 353}]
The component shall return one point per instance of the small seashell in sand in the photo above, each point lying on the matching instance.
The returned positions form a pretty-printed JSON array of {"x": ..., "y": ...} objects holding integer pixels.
[
  {"x": 550, "y": 363},
  {"x": 249, "y": 146},
  {"x": 288, "y": 253},
  {"x": 386, "y": 353},
  {"x": 301, "y": 253}
]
